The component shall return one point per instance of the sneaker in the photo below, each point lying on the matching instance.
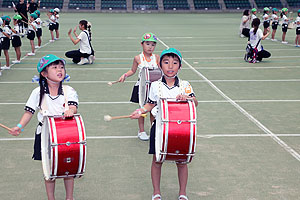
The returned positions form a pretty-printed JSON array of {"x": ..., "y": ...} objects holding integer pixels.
[
  {"x": 267, "y": 38},
  {"x": 16, "y": 61},
  {"x": 83, "y": 61},
  {"x": 274, "y": 40},
  {"x": 297, "y": 45},
  {"x": 51, "y": 40},
  {"x": 143, "y": 136},
  {"x": 37, "y": 47},
  {"x": 30, "y": 54},
  {"x": 284, "y": 42},
  {"x": 5, "y": 67},
  {"x": 56, "y": 38},
  {"x": 91, "y": 59}
]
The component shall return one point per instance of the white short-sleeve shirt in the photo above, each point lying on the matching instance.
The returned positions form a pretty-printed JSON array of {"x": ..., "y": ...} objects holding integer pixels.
[
  {"x": 38, "y": 23},
  {"x": 266, "y": 17},
  {"x": 274, "y": 18},
  {"x": 298, "y": 20},
  {"x": 284, "y": 20},
  {"x": 254, "y": 38},
  {"x": 6, "y": 30},
  {"x": 84, "y": 44},
  {"x": 56, "y": 105}
]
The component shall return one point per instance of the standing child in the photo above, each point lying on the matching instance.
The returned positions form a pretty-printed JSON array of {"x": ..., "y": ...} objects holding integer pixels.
[
  {"x": 52, "y": 23},
  {"x": 245, "y": 24},
  {"x": 15, "y": 38},
  {"x": 1, "y": 22},
  {"x": 170, "y": 86},
  {"x": 49, "y": 95},
  {"x": 31, "y": 32},
  {"x": 266, "y": 20},
  {"x": 253, "y": 15},
  {"x": 56, "y": 14},
  {"x": 275, "y": 21},
  {"x": 5, "y": 39},
  {"x": 285, "y": 24},
  {"x": 145, "y": 59},
  {"x": 297, "y": 40},
  {"x": 38, "y": 22}
]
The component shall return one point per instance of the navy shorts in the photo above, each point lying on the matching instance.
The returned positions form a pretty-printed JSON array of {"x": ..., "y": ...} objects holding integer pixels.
[
  {"x": 31, "y": 35},
  {"x": 38, "y": 32},
  {"x": 152, "y": 139},
  {"x": 37, "y": 153},
  {"x": 274, "y": 25},
  {"x": 135, "y": 94},
  {"x": 52, "y": 26},
  {"x": 284, "y": 28},
  {"x": 298, "y": 31},
  {"x": 16, "y": 41},
  {"x": 5, "y": 43},
  {"x": 266, "y": 24}
]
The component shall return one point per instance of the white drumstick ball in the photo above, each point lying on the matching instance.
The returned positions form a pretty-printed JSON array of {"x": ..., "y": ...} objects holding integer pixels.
[
  {"x": 107, "y": 118},
  {"x": 110, "y": 83}
]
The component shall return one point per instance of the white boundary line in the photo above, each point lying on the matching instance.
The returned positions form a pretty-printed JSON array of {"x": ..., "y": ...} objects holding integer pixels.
[
  {"x": 244, "y": 112},
  {"x": 135, "y": 137}
]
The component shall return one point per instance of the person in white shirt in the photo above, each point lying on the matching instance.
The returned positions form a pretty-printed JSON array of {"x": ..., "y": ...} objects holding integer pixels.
[
  {"x": 85, "y": 53},
  {"x": 256, "y": 35},
  {"x": 297, "y": 40},
  {"x": 31, "y": 32},
  {"x": 15, "y": 37},
  {"x": 56, "y": 14},
  {"x": 285, "y": 24},
  {"x": 170, "y": 86},
  {"x": 52, "y": 23},
  {"x": 5, "y": 39},
  {"x": 39, "y": 31},
  {"x": 275, "y": 21},
  {"x": 253, "y": 15},
  {"x": 49, "y": 97},
  {"x": 266, "y": 20},
  {"x": 245, "y": 24}
]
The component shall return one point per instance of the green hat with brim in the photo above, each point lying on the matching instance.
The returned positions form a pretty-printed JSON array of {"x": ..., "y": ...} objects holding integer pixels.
[
  {"x": 171, "y": 51},
  {"x": 6, "y": 18},
  {"x": 51, "y": 10},
  {"x": 47, "y": 60},
  {"x": 150, "y": 37},
  {"x": 275, "y": 9},
  {"x": 284, "y": 9},
  {"x": 266, "y": 9},
  {"x": 17, "y": 17},
  {"x": 34, "y": 15},
  {"x": 37, "y": 12},
  {"x": 299, "y": 11},
  {"x": 253, "y": 10}
]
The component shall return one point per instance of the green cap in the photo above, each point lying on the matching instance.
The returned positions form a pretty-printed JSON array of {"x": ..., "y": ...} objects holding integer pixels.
[
  {"x": 253, "y": 10},
  {"x": 284, "y": 9},
  {"x": 275, "y": 9},
  {"x": 47, "y": 60},
  {"x": 34, "y": 15},
  {"x": 149, "y": 37},
  {"x": 299, "y": 11},
  {"x": 37, "y": 12},
  {"x": 266, "y": 9},
  {"x": 17, "y": 17},
  {"x": 171, "y": 51},
  {"x": 51, "y": 10},
  {"x": 6, "y": 18}
]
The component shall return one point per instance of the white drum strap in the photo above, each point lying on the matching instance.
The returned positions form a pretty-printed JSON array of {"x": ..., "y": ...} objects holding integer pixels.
[
  {"x": 160, "y": 85},
  {"x": 65, "y": 90}
]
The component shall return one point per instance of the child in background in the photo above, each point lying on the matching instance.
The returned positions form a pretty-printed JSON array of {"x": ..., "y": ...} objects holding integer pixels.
[
  {"x": 31, "y": 32},
  {"x": 253, "y": 15},
  {"x": 245, "y": 24},
  {"x": 297, "y": 40},
  {"x": 145, "y": 59},
  {"x": 15, "y": 38},
  {"x": 52, "y": 23},
  {"x": 38, "y": 22},
  {"x": 170, "y": 86},
  {"x": 5, "y": 39},
  {"x": 56, "y": 14},
  {"x": 275, "y": 21},
  {"x": 285, "y": 23},
  {"x": 266, "y": 20},
  {"x": 52, "y": 73},
  {"x": 1, "y": 22}
]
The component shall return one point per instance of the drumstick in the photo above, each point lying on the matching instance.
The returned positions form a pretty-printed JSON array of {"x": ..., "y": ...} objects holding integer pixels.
[
  {"x": 109, "y": 118},
  {"x": 3, "y": 126},
  {"x": 111, "y": 83},
  {"x": 23, "y": 16}
]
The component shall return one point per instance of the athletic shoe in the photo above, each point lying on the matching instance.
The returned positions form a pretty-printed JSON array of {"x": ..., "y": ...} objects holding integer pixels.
[
  {"x": 30, "y": 54},
  {"x": 297, "y": 45},
  {"x": 284, "y": 42},
  {"x": 267, "y": 38},
  {"x": 16, "y": 61},
  {"x": 51, "y": 40},
  {"x": 83, "y": 61},
  {"x": 91, "y": 59},
  {"x": 143, "y": 136},
  {"x": 5, "y": 67},
  {"x": 37, "y": 47},
  {"x": 273, "y": 40}
]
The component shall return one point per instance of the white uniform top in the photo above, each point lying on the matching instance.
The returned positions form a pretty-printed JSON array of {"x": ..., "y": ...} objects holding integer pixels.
[
  {"x": 253, "y": 17},
  {"x": 255, "y": 38},
  {"x": 57, "y": 18},
  {"x": 38, "y": 20},
  {"x": 298, "y": 20},
  {"x": 84, "y": 44},
  {"x": 55, "y": 104},
  {"x": 244, "y": 25},
  {"x": 17, "y": 29},
  {"x": 266, "y": 17},
  {"x": 160, "y": 89},
  {"x": 6, "y": 30},
  {"x": 284, "y": 19},
  {"x": 52, "y": 19},
  {"x": 274, "y": 16},
  {"x": 151, "y": 64},
  {"x": 30, "y": 27}
]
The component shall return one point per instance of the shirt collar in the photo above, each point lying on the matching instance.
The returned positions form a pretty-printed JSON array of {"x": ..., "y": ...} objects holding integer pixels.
[{"x": 176, "y": 81}]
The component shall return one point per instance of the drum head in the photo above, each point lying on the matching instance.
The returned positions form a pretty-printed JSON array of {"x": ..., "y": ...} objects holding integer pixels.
[
  {"x": 158, "y": 133},
  {"x": 143, "y": 87},
  {"x": 45, "y": 148}
]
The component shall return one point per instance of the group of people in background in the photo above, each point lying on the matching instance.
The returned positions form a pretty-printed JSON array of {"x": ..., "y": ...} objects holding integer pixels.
[{"x": 249, "y": 27}]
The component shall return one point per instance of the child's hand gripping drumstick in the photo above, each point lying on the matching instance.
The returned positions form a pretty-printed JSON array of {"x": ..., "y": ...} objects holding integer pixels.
[{"x": 109, "y": 118}]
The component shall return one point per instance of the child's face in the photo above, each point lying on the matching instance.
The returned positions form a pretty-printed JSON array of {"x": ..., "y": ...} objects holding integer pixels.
[
  {"x": 170, "y": 65},
  {"x": 148, "y": 47},
  {"x": 55, "y": 72},
  {"x": 31, "y": 19},
  {"x": 81, "y": 26},
  {"x": 254, "y": 13}
]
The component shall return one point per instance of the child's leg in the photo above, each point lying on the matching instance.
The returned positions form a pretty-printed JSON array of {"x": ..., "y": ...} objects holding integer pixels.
[
  {"x": 283, "y": 36},
  {"x": 182, "y": 177},
  {"x": 155, "y": 176},
  {"x": 50, "y": 188},
  {"x": 51, "y": 33},
  {"x": 6, "y": 57},
  {"x": 141, "y": 121},
  {"x": 298, "y": 39},
  {"x": 18, "y": 52},
  {"x": 32, "y": 45},
  {"x": 69, "y": 186},
  {"x": 273, "y": 34},
  {"x": 57, "y": 34},
  {"x": 39, "y": 41}
]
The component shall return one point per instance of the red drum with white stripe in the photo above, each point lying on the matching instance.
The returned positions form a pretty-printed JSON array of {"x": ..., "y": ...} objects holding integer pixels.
[
  {"x": 147, "y": 76},
  {"x": 63, "y": 143},
  {"x": 175, "y": 136}
]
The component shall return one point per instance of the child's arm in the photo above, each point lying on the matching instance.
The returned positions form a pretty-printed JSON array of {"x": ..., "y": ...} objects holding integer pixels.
[
  {"x": 23, "y": 122},
  {"x": 137, "y": 113},
  {"x": 13, "y": 30},
  {"x": 132, "y": 70},
  {"x": 74, "y": 31},
  {"x": 182, "y": 97},
  {"x": 72, "y": 110},
  {"x": 72, "y": 39}
]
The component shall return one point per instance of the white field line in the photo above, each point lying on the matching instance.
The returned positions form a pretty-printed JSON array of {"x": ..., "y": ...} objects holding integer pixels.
[
  {"x": 245, "y": 113},
  {"x": 135, "y": 137}
]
